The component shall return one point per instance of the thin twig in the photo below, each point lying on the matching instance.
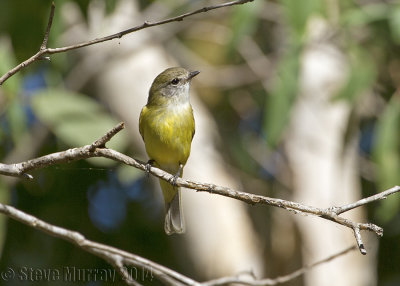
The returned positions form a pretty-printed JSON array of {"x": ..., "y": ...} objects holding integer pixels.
[
  {"x": 98, "y": 149},
  {"x": 381, "y": 196},
  {"x": 277, "y": 280},
  {"x": 50, "y": 22},
  {"x": 47, "y": 51},
  {"x": 146, "y": 24},
  {"x": 69, "y": 155},
  {"x": 101, "y": 142}
]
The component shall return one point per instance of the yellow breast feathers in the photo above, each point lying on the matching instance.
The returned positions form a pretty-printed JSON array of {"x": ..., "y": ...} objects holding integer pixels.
[{"x": 168, "y": 133}]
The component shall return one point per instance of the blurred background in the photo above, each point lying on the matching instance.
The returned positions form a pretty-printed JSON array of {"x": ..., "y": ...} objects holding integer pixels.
[{"x": 295, "y": 100}]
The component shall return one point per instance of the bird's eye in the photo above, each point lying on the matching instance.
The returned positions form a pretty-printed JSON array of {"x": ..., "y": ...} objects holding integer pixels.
[{"x": 175, "y": 81}]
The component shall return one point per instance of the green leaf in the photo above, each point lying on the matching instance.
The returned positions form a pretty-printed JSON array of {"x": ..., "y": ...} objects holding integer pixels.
[
  {"x": 7, "y": 62},
  {"x": 76, "y": 119},
  {"x": 299, "y": 12},
  {"x": 362, "y": 76},
  {"x": 362, "y": 16},
  {"x": 244, "y": 22},
  {"x": 280, "y": 100},
  {"x": 394, "y": 22},
  {"x": 387, "y": 156}
]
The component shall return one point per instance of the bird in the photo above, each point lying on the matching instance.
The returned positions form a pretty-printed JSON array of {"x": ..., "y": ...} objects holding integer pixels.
[{"x": 167, "y": 127}]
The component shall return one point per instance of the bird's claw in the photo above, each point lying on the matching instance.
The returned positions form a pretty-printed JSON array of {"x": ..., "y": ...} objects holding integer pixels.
[
  {"x": 173, "y": 180},
  {"x": 149, "y": 164}
]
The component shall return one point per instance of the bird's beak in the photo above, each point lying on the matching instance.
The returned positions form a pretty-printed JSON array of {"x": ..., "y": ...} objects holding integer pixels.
[{"x": 192, "y": 74}]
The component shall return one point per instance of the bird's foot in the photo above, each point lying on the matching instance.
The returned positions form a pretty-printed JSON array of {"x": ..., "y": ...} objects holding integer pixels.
[
  {"x": 149, "y": 164},
  {"x": 173, "y": 180}
]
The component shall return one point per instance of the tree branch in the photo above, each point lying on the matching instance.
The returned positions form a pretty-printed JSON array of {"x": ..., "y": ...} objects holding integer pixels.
[
  {"x": 277, "y": 280},
  {"x": 116, "y": 257},
  {"x": 98, "y": 149},
  {"x": 69, "y": 155},
  {"x": 44, "y": 50},
  {"x": 120, "y": 259},
  {"x": 50, "y": 22},
  {"x": 381, "y": 196}
]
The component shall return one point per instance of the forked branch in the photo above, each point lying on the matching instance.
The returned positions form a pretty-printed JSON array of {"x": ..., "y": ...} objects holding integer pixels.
[
  {"x": 98, "y": 149},
  {"x": 121, "y": 259},
  {"x": 44, "y": 50}
]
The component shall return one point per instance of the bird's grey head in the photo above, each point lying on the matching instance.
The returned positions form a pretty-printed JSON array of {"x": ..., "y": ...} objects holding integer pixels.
[{"x": 173, "y": 82}]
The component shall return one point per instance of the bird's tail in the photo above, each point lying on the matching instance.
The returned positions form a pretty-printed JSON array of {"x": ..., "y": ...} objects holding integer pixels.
[{"x": 174, "y": 222}]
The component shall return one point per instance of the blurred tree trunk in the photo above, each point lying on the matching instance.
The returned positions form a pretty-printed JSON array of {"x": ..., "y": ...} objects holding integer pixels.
[{"x": 324, "y": 162}]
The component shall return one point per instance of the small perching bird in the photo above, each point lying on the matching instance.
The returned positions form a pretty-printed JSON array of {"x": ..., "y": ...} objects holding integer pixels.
[{"x": 167, "y": 127}]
